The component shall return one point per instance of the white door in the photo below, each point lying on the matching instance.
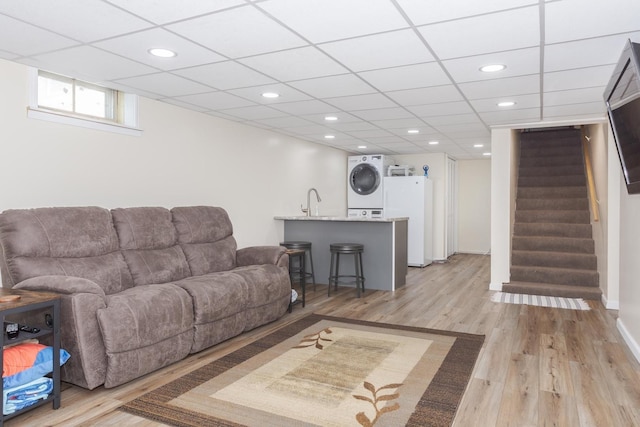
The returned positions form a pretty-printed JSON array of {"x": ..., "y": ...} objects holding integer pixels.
[{"x": 451, "y": 206}]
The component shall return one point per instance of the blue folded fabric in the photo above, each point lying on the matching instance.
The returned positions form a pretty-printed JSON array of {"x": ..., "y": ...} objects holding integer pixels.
[
  {"x": 16, "y": 398},
  {"x": 41, "y": 366}
]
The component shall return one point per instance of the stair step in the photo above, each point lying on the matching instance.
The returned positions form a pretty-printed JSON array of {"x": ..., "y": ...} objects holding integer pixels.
[
  {"x": 552, "y": 192},
  {"x": 553, "y": 244},
  {"x": 551, "y": 170},
  {"x": 549, "y": 204},
  {"x": 552, "y": 181},
  {"x": 553, "y": 230},
  {"x": 574, "y": 149},
  {"x": 550, "y": 161},
  {"x": 565, "y": 291},
  {"x": 558, "y": 216},
  {"x": 555, "y": 275},
  {"x": 554, "y": 259}
]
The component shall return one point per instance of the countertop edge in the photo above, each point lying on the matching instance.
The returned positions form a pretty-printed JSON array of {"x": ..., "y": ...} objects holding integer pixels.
[{"x": 339, "y": 219}]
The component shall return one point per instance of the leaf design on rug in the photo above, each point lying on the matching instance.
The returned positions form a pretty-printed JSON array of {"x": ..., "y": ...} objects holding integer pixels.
[
  {"x": 374, "y": 400},
  {"x": 314, "y": 339}
]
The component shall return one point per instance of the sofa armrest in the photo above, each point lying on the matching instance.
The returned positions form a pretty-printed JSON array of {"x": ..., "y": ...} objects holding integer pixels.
[
  {"x": 257, "y": 255},
  {"x": 61, "y": 284}
]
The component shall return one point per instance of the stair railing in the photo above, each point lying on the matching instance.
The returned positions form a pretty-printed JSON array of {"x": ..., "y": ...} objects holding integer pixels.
[{"x": 591, "y": 186}]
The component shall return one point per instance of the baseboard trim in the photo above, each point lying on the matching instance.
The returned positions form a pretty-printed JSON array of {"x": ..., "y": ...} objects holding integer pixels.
[
  {"x": 628, "y": 339},
  {"x": 610, "y": 305},
  {"x": 495, "y": 286}
]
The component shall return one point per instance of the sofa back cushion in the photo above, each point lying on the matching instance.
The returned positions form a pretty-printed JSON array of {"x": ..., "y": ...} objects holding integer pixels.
[
  {"x": 149, "y": 244},
  {"x": 66, "y": 241},
  {"x": 206, "y": 236}
]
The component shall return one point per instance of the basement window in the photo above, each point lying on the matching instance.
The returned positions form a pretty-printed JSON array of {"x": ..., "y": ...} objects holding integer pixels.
[{"x": 71, "y": 101}]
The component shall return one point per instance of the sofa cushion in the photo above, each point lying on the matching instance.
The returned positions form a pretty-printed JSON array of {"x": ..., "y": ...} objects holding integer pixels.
[
  {"x": 205, "y": 234},
  {"x": 69, "y": 241},
  {"x": 148, "y": 241},
  {"x": 265, "y": 284}
]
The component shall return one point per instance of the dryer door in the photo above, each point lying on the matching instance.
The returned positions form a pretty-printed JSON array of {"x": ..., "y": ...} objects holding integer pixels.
[{"x": 364, "y": 179}]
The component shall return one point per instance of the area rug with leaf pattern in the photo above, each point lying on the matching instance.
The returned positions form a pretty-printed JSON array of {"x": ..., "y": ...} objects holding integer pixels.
[{"x": 324, "y": 371}]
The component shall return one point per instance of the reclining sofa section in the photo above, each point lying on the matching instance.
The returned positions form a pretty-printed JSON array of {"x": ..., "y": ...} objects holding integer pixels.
[{"x": 141, "y": 288}]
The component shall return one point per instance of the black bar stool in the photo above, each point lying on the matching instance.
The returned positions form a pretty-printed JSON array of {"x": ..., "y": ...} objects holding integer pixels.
[
  {"x": 306, "y": 247},
  {"x": 354, "y": 249},
  {"x": 297, "y": 273}
]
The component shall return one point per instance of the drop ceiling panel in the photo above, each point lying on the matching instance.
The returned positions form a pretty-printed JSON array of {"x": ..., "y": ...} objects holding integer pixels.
[
  {"x": 587, "y": 110},
  {"x": 361, "y": 102},
  {"x": 491, "y": 104},
  {"x": 285, "y": 122},
  {"x": 407, "y": 77},
  {"x": 576, "y": 79},
  {"x": 255, "y": 112},
  {"x": 165, "y": 84},
  {"x": 286, "y": 92},
  {"x": 514, "y": 29},
  {"x": 238, "y": 32},
  {"x": 215, "y": 100},
  {"x": 519, "y": 62},
  {"x": 175, "y": 10},
  {"x": 295, "y": 64},
  {"x": 466, "y": 119},
  {"x": 573, "y": 96},
  {"x": 89, "y": 63},
  {"x": 81, "y": 20},
  {"x": 501, "y": 87},
  {"x": 423, "y": 12},
  {"x": 305, "y": 107},
  {"x": 343, "y": 118},
  {"x": 136, "y": 46},
  {"x": 383, "y": 114},
  {"x": 512, "y": 116},
  {"x": 327, "y": 20},
  {"x": 426, "y": 95},
  {"x": 445, "y": 108},
  {"x": 21, "y": 39},
  {"x": 385, "y": 50},
  {"x": 570, "y": 20},
  {"x": 342, "y": 85},
  {"x": 225, "y": 75},
  {"x": 586, "y": 53}
]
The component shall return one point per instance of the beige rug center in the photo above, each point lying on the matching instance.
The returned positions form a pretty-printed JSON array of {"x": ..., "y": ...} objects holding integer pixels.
[{"x": 326, "y": 378}]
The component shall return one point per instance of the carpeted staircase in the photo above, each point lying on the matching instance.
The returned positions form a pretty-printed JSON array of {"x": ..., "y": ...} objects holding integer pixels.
[{"x": 552, "y": 250}]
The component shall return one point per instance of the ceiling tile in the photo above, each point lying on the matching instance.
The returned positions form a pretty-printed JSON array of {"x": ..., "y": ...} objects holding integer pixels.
[
  {"x": 445, "y": 108},
  {"x": 385, "y": 50},
  {"x": 184, "y": 105},
  {"x": 407, "y": 77},
  {"x": 238, "y": 32},
  {"x": 586, "y": 53},
  {"x": 519, "y": 62},
  {"x": 333, "y": 86},
  {"x": 286, "y": 92},
  {"x": 576, "y": 79},
  {"x": 21, "y": 39},
  {"x": 81, "y": 20},
  {"x": 590, "y": 109},
  {"x": 295, "y": 64},
  {"x": 383, "y": 114},
  {"x": 254, "y": 112},
  {"x": 491, "y": 104},
  {"x": 422, "y": 12},
  {"x": 136, "y": 46},
  {"x": 165, "y": 84},
  {"x": 162, "y": 12},
  {"x": 361, "y": 102},
  {"x": 305, "y": 107},
  {"x": 353, "y": 126},
  {"x": 501, "y": 87},
  {"x": 502, "y": 117},
  {"x": 285, "y": 122},
  {"x": 341, "y": 116},
  {"x": 91, "y": 64},
  {"x": 426, "y": 95},
  {"x": 328, "y": 20},
  {"x": 600, "y": 18},
  {"x": 514, "y": 29},
  {"x": 215, "y": 100},
  {"x": 452, "y": 119},
  {"x": 404, "y": 124},
  {"x": 225, "y": 75},
  {"x": 372, "y": 133},
  {"x": 574, "y": 96}
]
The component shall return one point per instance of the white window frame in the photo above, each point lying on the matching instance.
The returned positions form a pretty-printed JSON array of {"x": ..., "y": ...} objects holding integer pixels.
[{"x": 130, "y": 114}]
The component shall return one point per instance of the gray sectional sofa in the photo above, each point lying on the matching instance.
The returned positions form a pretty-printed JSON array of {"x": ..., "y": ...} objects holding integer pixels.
[{"x": 141, "y": 288}]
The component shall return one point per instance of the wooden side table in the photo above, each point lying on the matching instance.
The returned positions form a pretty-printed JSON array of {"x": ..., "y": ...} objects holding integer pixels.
[
  {"x": 297, "y": 273},
  {"x": 30, "y": 301}
]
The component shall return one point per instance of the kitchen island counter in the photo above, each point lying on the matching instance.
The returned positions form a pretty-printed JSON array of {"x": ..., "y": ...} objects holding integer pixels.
[{"x": 384, "y": 239}]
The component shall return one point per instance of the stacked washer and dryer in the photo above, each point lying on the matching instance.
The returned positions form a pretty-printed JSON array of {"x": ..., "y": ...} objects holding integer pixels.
[{"x": 365, "y": 188}]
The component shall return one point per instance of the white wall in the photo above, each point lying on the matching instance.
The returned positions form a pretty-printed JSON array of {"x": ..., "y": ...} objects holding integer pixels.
[
  {"x": 474, "y": 206},
  {"x": 183, "y": 158}
]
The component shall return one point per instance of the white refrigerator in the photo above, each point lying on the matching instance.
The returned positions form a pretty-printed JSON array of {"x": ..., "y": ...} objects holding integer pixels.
[{"x": 412, "y": 196}]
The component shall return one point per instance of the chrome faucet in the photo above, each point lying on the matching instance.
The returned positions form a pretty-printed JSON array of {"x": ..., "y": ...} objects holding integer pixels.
[{"x": 307, "y": 211}]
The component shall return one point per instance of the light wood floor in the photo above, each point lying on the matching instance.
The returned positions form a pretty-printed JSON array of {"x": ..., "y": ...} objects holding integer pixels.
[{"x": 538, "y": 367}]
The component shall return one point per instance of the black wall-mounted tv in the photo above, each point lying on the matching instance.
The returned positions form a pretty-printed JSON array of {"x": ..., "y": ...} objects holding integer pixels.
[{"x": 622, "y": 97}]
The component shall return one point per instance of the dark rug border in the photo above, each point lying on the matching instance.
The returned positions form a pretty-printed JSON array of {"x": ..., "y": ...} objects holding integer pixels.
[{"x": 437, "y": 406}]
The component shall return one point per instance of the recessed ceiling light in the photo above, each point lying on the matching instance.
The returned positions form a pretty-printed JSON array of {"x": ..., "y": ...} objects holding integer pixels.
[
  {"x": 492, "y": 68},
  {"x": 362, "y": 146},
  {"x": 486, "y": 154},
  {"x": 478, "y": 145},
  {"x": 413, "y": 131},
  {"x": 506, "y": 104},
  {"x": 331, "y": 118},
  {"x": 162, "y": 53},
  {"x": 434, "y": 142},
  {"x": 329, "y": 137},
  {"x": 270, "y": 95}
]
